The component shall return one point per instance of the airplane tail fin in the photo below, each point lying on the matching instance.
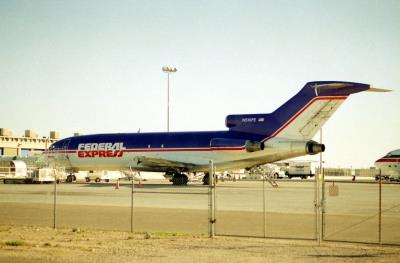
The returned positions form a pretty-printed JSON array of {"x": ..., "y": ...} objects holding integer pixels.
[{"x": 303, "y": 115}]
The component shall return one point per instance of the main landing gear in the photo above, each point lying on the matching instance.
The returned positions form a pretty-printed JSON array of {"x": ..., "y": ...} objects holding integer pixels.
[
  {"x": 179, "y": 179},
  {"x": 70, "y": 178},
  {"x": 206, "y": 179}
]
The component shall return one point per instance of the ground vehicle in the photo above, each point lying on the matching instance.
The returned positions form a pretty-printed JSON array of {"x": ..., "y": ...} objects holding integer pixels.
[
  {"x": 106, "y": 176},
  {"x": 277, "y": 173},
  {"x": 388, "y": 178},
  {"x": 46, "y": 175},
  {"x": 384, "y": 177},
  {"x": 16, "y": 171},
  {"x": 299, "y": 169},
  {"x": 395, "y": 179}
]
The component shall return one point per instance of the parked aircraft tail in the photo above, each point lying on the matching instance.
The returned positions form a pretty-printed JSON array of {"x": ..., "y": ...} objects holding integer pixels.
[{"x": 303, "y": 115}]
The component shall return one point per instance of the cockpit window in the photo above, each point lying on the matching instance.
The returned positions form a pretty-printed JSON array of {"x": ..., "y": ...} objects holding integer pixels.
[
  {"x": 54, "y": 146},
  {"x": 393, "y": 154},
  {"x": 60, "y": 145}
]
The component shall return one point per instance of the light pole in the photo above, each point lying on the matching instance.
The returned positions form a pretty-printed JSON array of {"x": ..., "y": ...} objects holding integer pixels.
[{"x": 168, "y": 70}]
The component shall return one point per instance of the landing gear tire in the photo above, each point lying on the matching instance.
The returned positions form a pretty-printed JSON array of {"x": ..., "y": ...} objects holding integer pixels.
[
  {"x": 206, "y": 179},
  {"x": 179, "y": 179},
  {"x": 87, "y": 179},
  {"x": 69, "y": 178},
  {"x": 97, "y": 180}
]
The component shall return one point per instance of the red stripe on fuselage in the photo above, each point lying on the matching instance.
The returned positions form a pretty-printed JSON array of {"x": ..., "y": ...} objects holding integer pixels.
[
  {"x": 186, "y": 149},
  {"x": 388, "y": 160},
  {"x": 163, "y": 150},
  {"x": 61, "y": 151}
]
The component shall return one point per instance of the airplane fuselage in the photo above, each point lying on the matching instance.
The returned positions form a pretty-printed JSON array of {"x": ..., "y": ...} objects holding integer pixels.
[
  {"x": 113, "y": 151},
  {"x": 251, "y": 139},
  {"x": 389, "y": 165}
]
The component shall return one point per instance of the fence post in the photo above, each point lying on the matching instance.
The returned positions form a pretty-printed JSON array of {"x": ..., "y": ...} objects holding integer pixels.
[
  {"x": 316, "y": 205},
  {"x": 132, "y": 191},
  {"x": 319, "y": 204},
  {"x": 215, "y": 181},
  {"x": 55, "y": 198},
  {"x": 264, "y": 210},
  {"x": 318, "y": 195},
  {"x": 323, "y": 205},
  {"x": 211, "y": 201},
  {"x": 380, "y": 207}
]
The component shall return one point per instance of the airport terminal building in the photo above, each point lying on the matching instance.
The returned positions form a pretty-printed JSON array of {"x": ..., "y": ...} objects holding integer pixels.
[{"x": 23, "y": 146}]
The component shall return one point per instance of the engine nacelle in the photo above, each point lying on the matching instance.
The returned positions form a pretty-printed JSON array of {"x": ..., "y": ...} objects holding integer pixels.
[
  {"x": 253, "y": 146},
  {"x": 313, "y": 147},
  {"x": 249, "y": 145}
]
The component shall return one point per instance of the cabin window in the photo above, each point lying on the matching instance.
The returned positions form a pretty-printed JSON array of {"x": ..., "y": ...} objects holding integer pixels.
[
  {"x": 148, "y": 146},
  {"x": 162, "y": 145},
  {"x": 390, "y": 166}
]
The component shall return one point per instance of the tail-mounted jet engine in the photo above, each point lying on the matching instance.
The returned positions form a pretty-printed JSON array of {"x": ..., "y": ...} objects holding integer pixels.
[
  {"x": 253, "y": 146},
  {"x": 312, "y": 147}
]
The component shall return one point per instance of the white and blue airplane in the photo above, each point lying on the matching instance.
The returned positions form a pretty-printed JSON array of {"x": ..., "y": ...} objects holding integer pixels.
[
  {"x": 389, "y": 165},
  {"x": 251, "y": 139}
]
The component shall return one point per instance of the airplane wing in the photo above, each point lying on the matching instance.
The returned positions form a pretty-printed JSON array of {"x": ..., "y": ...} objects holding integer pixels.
[{"x": 142, "y": 162}]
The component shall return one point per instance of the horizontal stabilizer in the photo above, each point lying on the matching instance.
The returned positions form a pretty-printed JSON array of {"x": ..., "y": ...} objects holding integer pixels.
[
  {"x": 344, "y": 88},
  {"x": 342, "y": 85},
  {"x": 373, "y": 89}
]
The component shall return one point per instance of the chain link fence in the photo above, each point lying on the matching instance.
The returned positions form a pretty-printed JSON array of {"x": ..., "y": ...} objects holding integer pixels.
[
  {"x": 155, "y": 206},
  {"x": 326, "y": 210},
  {"x": 365, "y": 212}
]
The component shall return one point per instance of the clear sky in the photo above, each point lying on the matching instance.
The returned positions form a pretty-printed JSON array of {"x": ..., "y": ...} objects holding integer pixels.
[{"x": 95, "y": 66}]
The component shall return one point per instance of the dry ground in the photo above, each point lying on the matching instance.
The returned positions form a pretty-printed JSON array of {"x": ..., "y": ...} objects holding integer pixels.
[
  {"x": 81, "y": 208},
  {"x": 43, "y": 244}
]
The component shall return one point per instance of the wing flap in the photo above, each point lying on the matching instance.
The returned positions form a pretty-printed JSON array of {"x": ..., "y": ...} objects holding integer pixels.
[{"x": 158, "y": 163}]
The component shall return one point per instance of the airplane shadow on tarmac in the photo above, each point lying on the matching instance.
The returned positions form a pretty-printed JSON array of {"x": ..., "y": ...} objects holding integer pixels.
[{"x": 155, "y": 188}]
